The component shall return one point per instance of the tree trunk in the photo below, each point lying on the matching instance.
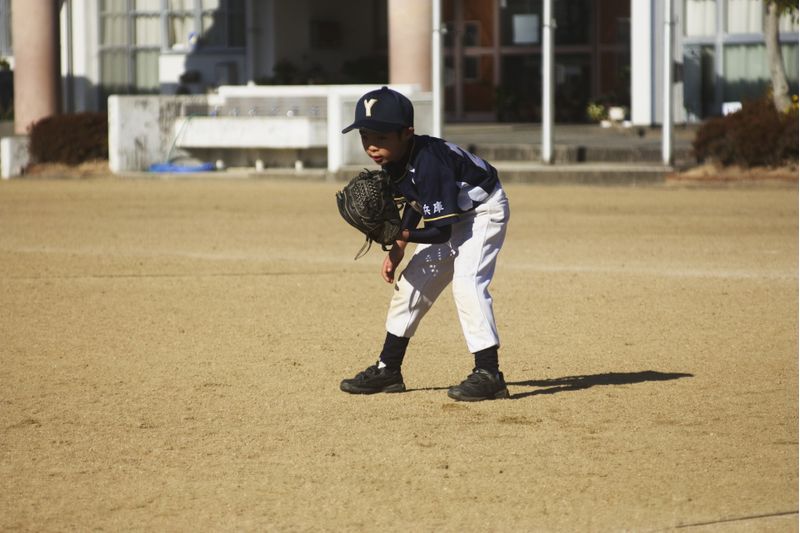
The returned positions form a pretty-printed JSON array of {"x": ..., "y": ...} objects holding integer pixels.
[{"x": 780, "y": 87}]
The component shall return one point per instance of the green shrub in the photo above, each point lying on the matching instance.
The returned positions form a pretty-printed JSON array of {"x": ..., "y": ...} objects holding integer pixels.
[
  {"x": 71, "y": 138},
  {"x": 756, "y": 135}
]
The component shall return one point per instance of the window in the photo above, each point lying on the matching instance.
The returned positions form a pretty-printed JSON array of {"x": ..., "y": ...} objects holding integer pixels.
[
  {"x": 701, "y": 18},
  {"x": 472, "y": 33},
  {"x": 181, "y": 26},
  {"x": 222, "y": 24},
  {"x": 572, "y": 86},
  {"x": 130, "y": 41},
  {"x": 134, "y": 33},
  {"x": 520, "y": 22},
  {"x": 789, "y": 23},
  {"x": 747, "y": 72},
  {"x": 479, "y": 94},
  {"x": 207, "y": 23},
  {"x": 614, "y": 23},
  {"x": 471, "y": 68},
  {"x": 6, "y": 48},
  {"x": 574, "y": 22},
  {"x": 325, "y": 34},
  {"x": 745, "y": 16}
]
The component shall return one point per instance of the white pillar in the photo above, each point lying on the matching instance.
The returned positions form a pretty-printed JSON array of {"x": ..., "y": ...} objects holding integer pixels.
[
  {"x": 35, "y": 26},
  {"x": 251, "y": 42},
  {"x": 436, "y": 69},
  {"x": 548, "y": 25},
  {"x": 642, "y": 63},
  {"x": 409, "y": 42},
  {"x": 666, "y": 123},
  {"x": 335, "y": 137}
]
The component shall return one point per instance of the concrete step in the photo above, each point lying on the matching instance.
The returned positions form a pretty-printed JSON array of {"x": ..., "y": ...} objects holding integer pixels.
[
  {"x": 573, "y": 143},
  {"x": 565, "y": 173},
  {"x": 578, "y": 153},
  {"x": 582, "y": 173},
  {"x": 510, "y": 172}
]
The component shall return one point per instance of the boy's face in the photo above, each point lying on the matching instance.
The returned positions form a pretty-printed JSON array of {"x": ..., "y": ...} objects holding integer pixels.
[{"x": 385, "y": 147}]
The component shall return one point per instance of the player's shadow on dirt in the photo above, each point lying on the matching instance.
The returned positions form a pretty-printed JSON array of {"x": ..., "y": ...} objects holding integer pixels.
[{"x": 574, "y": 383}]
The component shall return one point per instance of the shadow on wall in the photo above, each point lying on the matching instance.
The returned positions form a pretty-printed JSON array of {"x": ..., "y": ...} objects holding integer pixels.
[
  {"x": 6, "y": 91},
  {"x": 216, "y": 52},
  {"x": 701, "y": 84},
  {"x": 217, "y": 56}
]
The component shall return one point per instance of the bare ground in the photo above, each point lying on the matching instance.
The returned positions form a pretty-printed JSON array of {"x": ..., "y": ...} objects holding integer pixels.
[
  {"x": 734, "y": 174},
  {"x": 171, "y": 352}
]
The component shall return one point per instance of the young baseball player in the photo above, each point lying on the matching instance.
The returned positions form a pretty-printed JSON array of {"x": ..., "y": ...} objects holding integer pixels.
[{"x": 464, "y": 209}]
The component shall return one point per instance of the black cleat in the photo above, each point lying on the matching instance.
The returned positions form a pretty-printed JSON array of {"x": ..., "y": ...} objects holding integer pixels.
[
  {"x": 480, "y": 385},
  {"x": 374, "y": 380}
]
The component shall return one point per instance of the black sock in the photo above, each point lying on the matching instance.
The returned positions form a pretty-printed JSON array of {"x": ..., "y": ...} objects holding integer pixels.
[
  {"x": 394, "y": 349},
  {"x": 487, "y": 360}
]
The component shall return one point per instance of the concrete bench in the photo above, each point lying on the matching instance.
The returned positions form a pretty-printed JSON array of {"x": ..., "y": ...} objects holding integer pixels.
[
  {"x": 243, "y": 125},
  {"x": 251, "y": 132}
]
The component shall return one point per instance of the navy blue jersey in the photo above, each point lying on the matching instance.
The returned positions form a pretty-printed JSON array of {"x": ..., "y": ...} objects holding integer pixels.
[{"x": 442, "y": 180}]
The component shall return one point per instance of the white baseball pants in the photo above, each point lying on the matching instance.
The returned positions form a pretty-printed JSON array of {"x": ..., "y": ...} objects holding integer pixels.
[{"x": 468, "y": 261}]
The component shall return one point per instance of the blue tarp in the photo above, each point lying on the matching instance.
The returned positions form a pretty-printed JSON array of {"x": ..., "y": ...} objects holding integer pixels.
[{"x": 172, "y": 167}]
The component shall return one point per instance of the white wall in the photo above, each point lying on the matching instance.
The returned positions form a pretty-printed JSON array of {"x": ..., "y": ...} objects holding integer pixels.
[
  {"x": 647, "y": 62},
  {"x": 641, "y": 63},
  {"x": 142, "y": 131},
  {"x": 260, "y": 38},
  {"x": 215, "y": 69},
  {"x": 84, "y": 57}
]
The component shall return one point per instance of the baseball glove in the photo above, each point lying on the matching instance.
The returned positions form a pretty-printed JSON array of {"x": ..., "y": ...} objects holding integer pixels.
[{"x": 367, "y": 204}]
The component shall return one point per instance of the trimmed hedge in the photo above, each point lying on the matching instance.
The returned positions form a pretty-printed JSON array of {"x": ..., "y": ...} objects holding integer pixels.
[
  {"x": 756, "y": 135},
  {"x": 70, "y": 139}
]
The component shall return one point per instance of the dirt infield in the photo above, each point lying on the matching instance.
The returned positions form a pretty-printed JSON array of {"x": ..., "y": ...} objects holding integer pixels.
[{"x": 171, "y": 353}]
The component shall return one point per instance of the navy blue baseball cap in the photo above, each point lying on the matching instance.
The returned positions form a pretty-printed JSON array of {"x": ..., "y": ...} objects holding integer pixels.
[{"x": 383, "y": 110}]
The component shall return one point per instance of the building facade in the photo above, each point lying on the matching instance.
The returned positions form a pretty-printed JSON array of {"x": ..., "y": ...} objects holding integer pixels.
[
  {"x": 493, "y": 57},
  {"x": 606, "y": 51}
]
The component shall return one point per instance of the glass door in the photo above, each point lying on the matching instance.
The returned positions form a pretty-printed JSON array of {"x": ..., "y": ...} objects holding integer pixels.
[{"x": 470, "y": 60}]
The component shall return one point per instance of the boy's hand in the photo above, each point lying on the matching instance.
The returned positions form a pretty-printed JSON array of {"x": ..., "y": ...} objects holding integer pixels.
[{"x": 391, "y": 262}]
